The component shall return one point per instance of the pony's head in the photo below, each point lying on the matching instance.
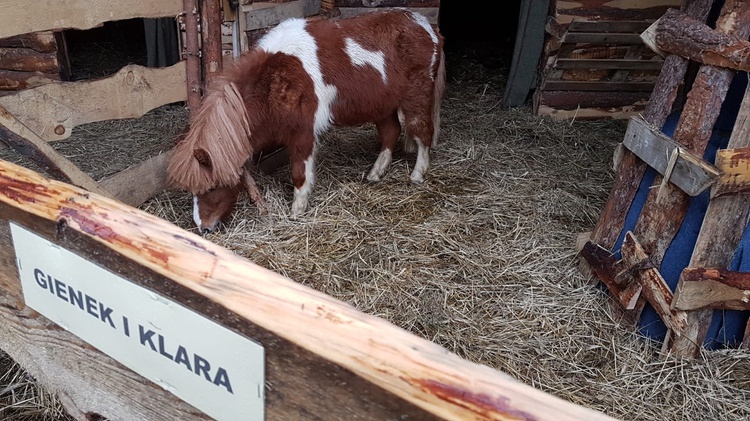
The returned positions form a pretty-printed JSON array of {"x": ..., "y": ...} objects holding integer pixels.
[{"x": 210, "y": 158}]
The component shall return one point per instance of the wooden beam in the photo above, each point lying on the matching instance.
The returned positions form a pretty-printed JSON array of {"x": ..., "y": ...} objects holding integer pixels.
[
  {"x": 193, "y": 68},
  {"x": 135, "y": 185},
  {"x": 43, "y": 41},
  {"x": 211, "y": 39},
  {"x": 723, "y": 224},
  {"x": 21, "y": 17},
  {"x": 615, "y": 26},
  {"x": 602, "y": 38},
  {"x": 735, "y": 167},
  {"x": 691, "y": 174},
  {"x": 28, "y": 60},
  {"x": 323, "y": 358},
  {"x": 713, "y": 288},
  {"x": 26, "y": 142},
  {"x": 610, "y": 64},
  {"x": 15, "y": 81},
  {"x": 52, "y": 110},
  {"x": 677, "y": 33},
  {"x": 655, "y": 289},
  {"x": 431, "y": 13},
  {"x": 600, "y": 86}
]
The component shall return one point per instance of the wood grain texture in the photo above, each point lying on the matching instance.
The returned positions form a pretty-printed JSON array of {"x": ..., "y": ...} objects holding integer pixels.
[
  {"x": 21, "y": 17},
  {"x": 51, "y": 111},
  {"x": 735, "y": 168},
  {"x": 14, "y": 81},
  {"x": 260, "y": 15},
  {"x": 28, "y": 60},
  {"x": 135, "y": 185},
  {"x": 43, "y": 41},
  {"x": 690, "y": 173},
  {"x": 312, "y": 340},
  {"x": 713, "y": 288}
]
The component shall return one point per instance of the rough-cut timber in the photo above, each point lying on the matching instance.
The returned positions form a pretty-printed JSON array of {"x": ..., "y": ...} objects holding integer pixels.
[
  {"x": 677, "y": 33},
  {"x": 713, "y": 288},
  {"x": 43, "y": 41},
  {"x": 724, "y": 222},
  {"x": 192, "y": 55},
  {"x": 567, "y": 11},
  {"x": 627, "y": 180},
  {"x": 211, "y": 39},
  {"x": 52, "y": 110},
  {"x": 690, "y": 173},
  {"x": 135, "y": 185},
  {"x": 26, "y": 59},
  {"x": 22, "y": 16},
  {"x": 15, "y": 81},
  {"x": 734, "y": 165},
  {"x": 324, "y": 359}
]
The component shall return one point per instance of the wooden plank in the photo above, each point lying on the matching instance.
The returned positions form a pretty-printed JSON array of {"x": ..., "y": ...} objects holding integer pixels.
[
  {"x": 431, "y": 13},
  {"x": 26, "y": 142},
  {"x": 691, "y": 174},
  {"x": 572, "y": 100},
  {"x": 387, "y": 3},
  {"x": 192, "y": 55},
  {"x": 135, "y": 185},
  {"x": 713, "y": 288},
  {"x": 264, "y": 14},
  {"x": 655, "y": 289},
  {"x": 15, "y": 81},
  {"x": 623, "y": 64},
  {"x": 28, "y": 60},
  {"x": 21, "y": 17},
  {"x": 53, "y": 110},
  {"x": 735, "y": 167},
  {"x": 526, "y": 52},
  {"x": 324, "y": 359},
  {"x": 567, "y": 11},
  {"x": 597, "y": 85},
  {"x": 43, "y": 42},
  {"x": 587, "y": 113},
  {"x": 602, "y": 38},
  {"x": 635, "y": 27},
  {"x": 723, "y": 225}
]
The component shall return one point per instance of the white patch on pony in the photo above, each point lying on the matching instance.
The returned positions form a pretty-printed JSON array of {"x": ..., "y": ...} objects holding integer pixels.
[
  {"x": 380, "y": 166},
  {"x": 363, "y": 57},
  {"x": 291, "y": 37},
  {"x": 423, "y": 162},
  {"x": 422, "y": 21},
  {"x": 196, "y": 212},
  {"x": 299, "y": 205}
]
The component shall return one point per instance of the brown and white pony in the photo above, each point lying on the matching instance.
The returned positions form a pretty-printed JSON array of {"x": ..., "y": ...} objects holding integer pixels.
[{"x": 302, "y": 78}]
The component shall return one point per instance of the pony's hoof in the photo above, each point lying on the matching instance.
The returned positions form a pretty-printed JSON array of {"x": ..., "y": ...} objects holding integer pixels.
[
  {"x": 298, "y": 209},
  {"x": 417, "y": 178},
  {"x": 373, "y": 178}
]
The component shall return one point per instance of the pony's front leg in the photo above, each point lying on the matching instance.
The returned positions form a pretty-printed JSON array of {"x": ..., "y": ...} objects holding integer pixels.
[
  {"x": 303, "y": 176},
  {"x": 389, "y": 129},
  {"x": 423, "y": 161}
]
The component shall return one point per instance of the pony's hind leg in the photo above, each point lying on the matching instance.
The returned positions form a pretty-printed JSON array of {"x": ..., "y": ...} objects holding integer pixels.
[
  {"x": 389, "y": 129},
  {"x": 421, "y": 129},
  {"x": 303, "y": 175}
]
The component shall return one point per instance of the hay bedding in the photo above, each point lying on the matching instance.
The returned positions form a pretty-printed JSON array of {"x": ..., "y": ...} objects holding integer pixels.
[{"x": 479, "y": 259}]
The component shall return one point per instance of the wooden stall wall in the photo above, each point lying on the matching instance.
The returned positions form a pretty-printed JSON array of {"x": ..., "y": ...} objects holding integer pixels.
[
  {"x": 595, "y": 65},
  {"x": 31, "y": 60}
]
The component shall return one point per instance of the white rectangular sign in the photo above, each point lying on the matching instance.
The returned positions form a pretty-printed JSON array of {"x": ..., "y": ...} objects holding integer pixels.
[{"x": 207, "y": 365}]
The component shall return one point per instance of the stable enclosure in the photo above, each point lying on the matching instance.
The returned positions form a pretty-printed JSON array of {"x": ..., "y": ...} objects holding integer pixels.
[{"x": 477, "y": 265}]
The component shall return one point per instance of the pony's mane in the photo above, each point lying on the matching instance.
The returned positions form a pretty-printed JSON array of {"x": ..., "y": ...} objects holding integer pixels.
[{"x": 221, "y": 129}]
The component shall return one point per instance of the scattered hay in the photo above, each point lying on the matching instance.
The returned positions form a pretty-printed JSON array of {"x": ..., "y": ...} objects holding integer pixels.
[
  {"x": 21, "y": 398},
  {"x": 479, "y": 259}
]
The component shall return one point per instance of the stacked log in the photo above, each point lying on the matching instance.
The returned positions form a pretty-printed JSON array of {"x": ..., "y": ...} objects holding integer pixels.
[{"x": 31, "y": 60}]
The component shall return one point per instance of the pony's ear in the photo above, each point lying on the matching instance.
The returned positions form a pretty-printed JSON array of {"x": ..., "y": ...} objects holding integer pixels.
[{"x": 203, "y": 158}]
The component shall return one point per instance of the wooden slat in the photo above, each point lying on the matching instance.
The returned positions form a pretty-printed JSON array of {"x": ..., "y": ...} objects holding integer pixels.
[
  {"x": 714, "y": 288},
  {"x": 594, "y": 85},
  {"x": 324, "y": 359},
  {"x": 135, "y": 185},
  {"x": 260, "y": 15},
  {"x": 431, "y": 13},
  {"x": 53, "y": 110},
  {"x": 602, "y": 38},
  {"x": 569, "y": 10},
  {"x": 735, "y": 167},
  {"x": 691, "y": 173},
  {"x": 635, "y": 27},
  {"x": 22, "y": 16},
  {"x": 620, "y": 64}
]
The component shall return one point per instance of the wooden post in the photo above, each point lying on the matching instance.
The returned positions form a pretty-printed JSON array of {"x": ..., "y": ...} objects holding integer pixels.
[
  {"x": 192, "y": 54},
  {"x": 211, "y": 37}
]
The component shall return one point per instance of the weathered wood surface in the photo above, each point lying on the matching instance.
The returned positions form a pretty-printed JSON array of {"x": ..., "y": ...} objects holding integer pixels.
[
  {"x": 690, "y": 173},
  {"x": 211, "y": 39},
  {"x": 21, "y": 16},
  {"x": 431, "y": 13},
  {"x": 724, "y": 222},
  {"x": 735, "y": 167},
  {"x": 713, "y": 288},
  {"x": 387, "y": 3},
  {"x": 192, "y": 55},
  {"x": 654, "y": 289},
  {"x": 609, "y": 64},
  {"x": 28, "y": 60},
  {"x": 135, "y": 185},
  {"x": 324, "y": 359},
  {"x": 43, "y": 41},
  {"x": 627, "y": 180},
  {"x": 14, "y": 81},
  {"x": 597, "y": 85},
  {"x": 52, "y": 110},
  {"x": 260, "y": 15},
  {"x": 567, "y": 11},
  {"x": 26, "y": 142},
  {"x": 677, "y": 33}
]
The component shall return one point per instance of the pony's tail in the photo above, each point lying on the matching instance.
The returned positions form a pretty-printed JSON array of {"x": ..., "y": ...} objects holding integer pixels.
[{"x": 437, "y": 95}]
